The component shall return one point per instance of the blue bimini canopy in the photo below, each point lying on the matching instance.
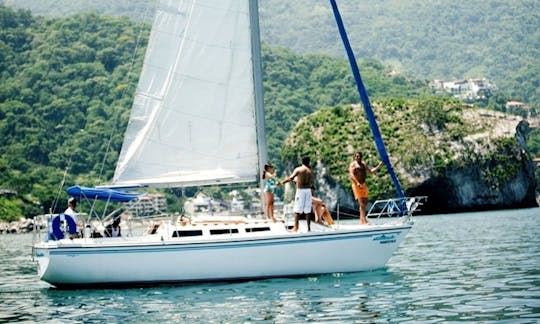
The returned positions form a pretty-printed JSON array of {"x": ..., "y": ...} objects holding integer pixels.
[{"x": 101, "y": 194}]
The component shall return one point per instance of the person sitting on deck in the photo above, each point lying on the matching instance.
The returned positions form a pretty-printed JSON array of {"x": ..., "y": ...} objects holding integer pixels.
[
  {"x": 319, "y": 210},
  {"x": 113, "y": 229}
]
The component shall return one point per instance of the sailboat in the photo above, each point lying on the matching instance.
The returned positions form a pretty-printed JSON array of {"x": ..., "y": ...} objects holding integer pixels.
[{"x": 197, "y": 119}]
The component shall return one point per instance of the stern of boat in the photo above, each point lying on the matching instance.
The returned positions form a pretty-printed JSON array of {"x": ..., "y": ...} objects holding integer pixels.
[{"x": 41, "y": 255}]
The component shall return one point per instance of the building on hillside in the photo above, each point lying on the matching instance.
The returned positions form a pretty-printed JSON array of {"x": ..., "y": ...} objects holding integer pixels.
[
  {"x": 514, "y": 104},
  {"x": 478, "y": 85},
  {"x": 471, "y": 89},
  {"x": 520, "y": 108}
]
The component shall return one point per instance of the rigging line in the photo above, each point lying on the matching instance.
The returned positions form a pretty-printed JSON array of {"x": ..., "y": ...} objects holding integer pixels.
[
  {"x": 365, "y": 101},
  {"x": 61, "y": 186},
  {"x": 126, "y": 81},
  {"x": 58, "y": 193}
]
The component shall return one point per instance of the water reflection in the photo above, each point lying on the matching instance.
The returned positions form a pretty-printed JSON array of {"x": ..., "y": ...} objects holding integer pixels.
[{"x": 337, "y": 297}]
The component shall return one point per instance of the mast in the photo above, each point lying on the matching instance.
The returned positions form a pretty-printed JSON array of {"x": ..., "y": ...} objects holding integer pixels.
[
  {"x": 258, "y": 89},
  {"x": 365, "y": 101}
]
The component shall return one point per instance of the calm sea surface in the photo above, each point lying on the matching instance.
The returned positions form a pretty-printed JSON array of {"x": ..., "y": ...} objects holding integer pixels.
[{"x": 471, "y": 267}]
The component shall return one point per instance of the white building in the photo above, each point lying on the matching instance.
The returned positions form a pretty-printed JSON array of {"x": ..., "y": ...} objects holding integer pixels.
[{"x": 472, "y": 89}]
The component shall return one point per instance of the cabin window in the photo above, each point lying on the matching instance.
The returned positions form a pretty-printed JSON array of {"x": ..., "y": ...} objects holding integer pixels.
[
  {"x": 187, "y": 233},
  {"x": 257, "y": 229},
  {"x": 224, "y": 231}
]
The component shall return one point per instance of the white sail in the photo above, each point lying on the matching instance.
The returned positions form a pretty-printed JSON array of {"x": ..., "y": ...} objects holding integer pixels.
[{"x": 194, "y": 119}]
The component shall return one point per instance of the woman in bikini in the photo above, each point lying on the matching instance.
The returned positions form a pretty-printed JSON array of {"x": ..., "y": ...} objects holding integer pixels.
[{"x": 269, "y": 190}]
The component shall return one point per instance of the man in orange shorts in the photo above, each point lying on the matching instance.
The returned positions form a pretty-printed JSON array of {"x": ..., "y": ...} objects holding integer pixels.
[{"x": 357, "y": 172}]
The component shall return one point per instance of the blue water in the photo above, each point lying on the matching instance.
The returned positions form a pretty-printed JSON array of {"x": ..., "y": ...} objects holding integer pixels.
[{"x": 471, "y": 267}]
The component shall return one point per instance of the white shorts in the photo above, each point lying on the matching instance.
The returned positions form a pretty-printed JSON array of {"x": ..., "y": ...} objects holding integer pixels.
[{"x": 302, "y": 201}]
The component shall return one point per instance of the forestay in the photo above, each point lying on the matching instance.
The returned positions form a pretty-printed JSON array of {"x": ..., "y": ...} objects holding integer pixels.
[
  {"x": 193, "y": 120},
  {"x": 367, "y": 107}
]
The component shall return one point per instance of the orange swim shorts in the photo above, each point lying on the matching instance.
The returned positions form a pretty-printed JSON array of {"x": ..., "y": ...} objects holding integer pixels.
[{"x": 360, "y": 191}]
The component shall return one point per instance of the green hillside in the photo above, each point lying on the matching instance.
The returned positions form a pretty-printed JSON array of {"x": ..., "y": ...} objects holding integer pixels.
[
  {"x": 424, "y": 138},
  {"x": 67, "y": 84},
  {"x": 441, "y": 39},
  {"x": 298, "y": 85},
  {"x": 496, "y": 39},
  {"x": 463, "y": 158},
  {"x": 66, "y": 88}
]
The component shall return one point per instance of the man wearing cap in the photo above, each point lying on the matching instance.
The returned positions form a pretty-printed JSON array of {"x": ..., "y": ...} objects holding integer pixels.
[
  {"x": 70, "y": 211},
  {"x": 72, "y": 204}
]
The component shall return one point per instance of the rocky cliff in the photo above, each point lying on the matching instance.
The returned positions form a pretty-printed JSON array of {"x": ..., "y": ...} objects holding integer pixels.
[
  {"x": 462, "y": 158},
  {"x": 496, "y": 177}
]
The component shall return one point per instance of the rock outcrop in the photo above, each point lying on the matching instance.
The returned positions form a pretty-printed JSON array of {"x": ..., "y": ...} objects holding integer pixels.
[
  {"x": 496, "y": 177},
  {"x": 474, "y": 160}
]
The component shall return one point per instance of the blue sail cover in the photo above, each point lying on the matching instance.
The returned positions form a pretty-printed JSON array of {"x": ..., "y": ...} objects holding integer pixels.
[
  {"x": 101, "y": 194},
  {"x": 367, "y": 106}
]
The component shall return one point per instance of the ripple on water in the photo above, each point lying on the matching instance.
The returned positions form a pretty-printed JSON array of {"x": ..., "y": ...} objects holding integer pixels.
[{"x": 474, "y": 267}]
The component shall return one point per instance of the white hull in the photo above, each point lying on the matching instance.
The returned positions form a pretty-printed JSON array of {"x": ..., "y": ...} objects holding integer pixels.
[{"x": 277, "y": 253}]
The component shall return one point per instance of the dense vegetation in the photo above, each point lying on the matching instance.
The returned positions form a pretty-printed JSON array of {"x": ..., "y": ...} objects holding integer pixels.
[
  {"x": 426, "y": 138},
  {"x": 298, "y": 85},
  {"x": 496, "y": 39},
  {"x": 65, "y": 89},
  {"x": 350, "y": 133},
  {"x": 135, "y": 9},
  {"x": 66, "y": 86}
]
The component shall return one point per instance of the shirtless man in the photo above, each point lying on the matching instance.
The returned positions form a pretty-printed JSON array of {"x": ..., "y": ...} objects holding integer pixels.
[
  {"x": 302, "y": 199},
  {"x": 357, "y": 172}
]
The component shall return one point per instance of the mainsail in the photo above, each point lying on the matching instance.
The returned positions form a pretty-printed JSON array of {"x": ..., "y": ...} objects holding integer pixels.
[
  {"x": 197, "y": 116},
  {"x": 365, "y": 101}
]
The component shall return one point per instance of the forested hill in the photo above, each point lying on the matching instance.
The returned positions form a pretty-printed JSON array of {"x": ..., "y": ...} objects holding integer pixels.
[
  {"x": 66, "y": 88},
  {"x": 440, "y": 39}
]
